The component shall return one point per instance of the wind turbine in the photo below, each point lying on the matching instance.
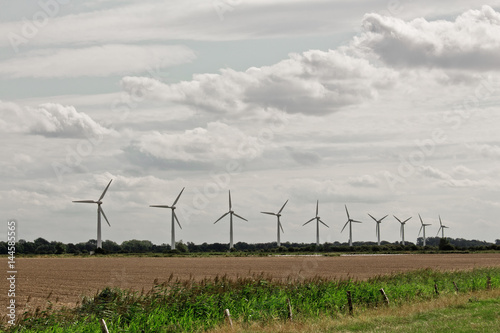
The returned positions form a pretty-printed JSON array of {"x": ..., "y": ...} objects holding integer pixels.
[
  {"x": 174, "y": 217},
  {"x": 402, "y": 228},
  {"x": 278, "y": 214},
  {"x": 441, "y": 228},
  {"x": 318, "y": 220},
  {"x": 377, "y": 229},
  {"x": 231, "y": 213},
  {"x": 422, "y": 227},
  {"x": 349, "y": 221},
  {"x": 99, "y": 212}
]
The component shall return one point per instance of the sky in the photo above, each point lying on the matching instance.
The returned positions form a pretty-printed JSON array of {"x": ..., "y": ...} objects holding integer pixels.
[{"x": 388, "y": 107}]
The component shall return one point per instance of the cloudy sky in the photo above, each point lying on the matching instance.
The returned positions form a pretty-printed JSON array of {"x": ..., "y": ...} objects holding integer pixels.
[{"x": 390, "y": 107}]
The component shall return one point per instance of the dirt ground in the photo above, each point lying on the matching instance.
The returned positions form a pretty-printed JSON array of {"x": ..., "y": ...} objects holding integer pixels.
[{"x": 63, "y": 281}]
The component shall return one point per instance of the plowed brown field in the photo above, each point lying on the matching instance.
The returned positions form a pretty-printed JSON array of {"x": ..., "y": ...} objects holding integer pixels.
[{"x": 63, "y": 280}]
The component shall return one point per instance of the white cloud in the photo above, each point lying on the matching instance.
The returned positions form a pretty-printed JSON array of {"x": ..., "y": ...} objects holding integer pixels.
[
  {"x": 218, "y": 141},
  {"x": 485, "y": 150},
  {"x": 175, "y": 20},
  {"x": 50, "y": 120},
  {"x": 95, "y": 61},
  {"x": 461, "y": 172},
  {"x": 314, "y": 83},
  {"x": 472, "y": 41}
]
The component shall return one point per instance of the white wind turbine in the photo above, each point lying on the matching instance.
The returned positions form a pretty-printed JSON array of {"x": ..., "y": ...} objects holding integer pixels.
[
  {"x": 377, "y": 228},
  {"x": 318, "y": 221},
  {"x": 402, "y": 232},
  {"x": 278, "y": 215},
  {"x": 441, "y": 228},
  {"x": 231, "y": 213},
  {"x": 349, "y": 221},
  {"x": 422, "y": 227},
  {"x": 174, "y": 217},
  {"x": 99, "y": 212}
]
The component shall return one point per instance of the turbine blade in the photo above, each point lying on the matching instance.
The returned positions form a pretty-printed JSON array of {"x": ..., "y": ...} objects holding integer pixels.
[
  {"x": 85, "y": 201},
  {"x": 100, "y": 209},
  {"x": 160, "y": 206},
  {"x": 441, "y": 223},
  {"x": 281, "y": 227},
  {"x": 383, "y": 218},
  {"x": 324, "y": 223},
  {"x": 420, "y": 219},
  {"x": 282, "y": 207},
  {"x": 439, "y": 231},
  {"x": 397, "y": 219},
  {"x": 177, "y": 199},
  {"x": 269, "y": 213},
  {"x": 240, "y": 217},
  {"x": 176, "y": 219},
  {"x": 105, "y": 190},
  {"x": 345, "y": 225},
  {"x": 407, "y": 219},
  {"x": 317, "y": 204},
  {"x": 420, "y": 230},
  {"x": 221, "y": 217},
  {"x": 374, "y": 219},
  {"x": 348, "y": 217},
  {"x": 309, "y": 220},
  {"x": 230, "y": 205},
  {"x": 356, "y": 221}
]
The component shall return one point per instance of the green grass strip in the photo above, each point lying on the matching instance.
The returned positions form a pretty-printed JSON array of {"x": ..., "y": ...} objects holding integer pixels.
[{"x": 189, "y": 306}]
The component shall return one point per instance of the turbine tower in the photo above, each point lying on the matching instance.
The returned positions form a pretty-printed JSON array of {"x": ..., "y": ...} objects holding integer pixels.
[
  {"x": 402, "y": 228},
  {"x": 422, "y": 227},
  {"x": 99, "y": 212},
  {"x": 278, "y": 214},
  {"x": 349, "y": 221},
  {"x": 318, "y": 221},
  {"x": 174, "y": 217},
  {"x": 441, "y": 228},
  {"x": 377, "y": 228},
  {"x": 231, "y": 213}
]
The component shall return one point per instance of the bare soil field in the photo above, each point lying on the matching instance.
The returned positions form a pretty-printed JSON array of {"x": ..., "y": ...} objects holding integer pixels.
[{"x": 62, "y": 281}]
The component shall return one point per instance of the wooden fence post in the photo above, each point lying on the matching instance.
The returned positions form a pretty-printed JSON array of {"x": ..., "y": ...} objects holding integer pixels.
[
  {"x": 228, "y": 316},
  {"x": 436, "y": 289},
  {"x": 289, "y": 309},
  {"x": 386, "y": 300},
  {"x": 104, "y": 328},
  {"x": 456, "y": 287},
  {"x": 349, "y": 302},
  {"x": 488, "y": 283}
]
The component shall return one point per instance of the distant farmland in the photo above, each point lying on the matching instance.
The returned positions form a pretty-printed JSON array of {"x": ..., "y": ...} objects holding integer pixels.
[{"x": 63, "y": 280}]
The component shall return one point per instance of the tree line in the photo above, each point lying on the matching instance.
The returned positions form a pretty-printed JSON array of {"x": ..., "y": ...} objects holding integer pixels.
[{"x": 43, "y": 246}]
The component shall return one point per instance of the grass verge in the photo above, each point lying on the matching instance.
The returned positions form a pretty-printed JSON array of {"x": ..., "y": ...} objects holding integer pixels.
[{"x": 190, "y": 306}]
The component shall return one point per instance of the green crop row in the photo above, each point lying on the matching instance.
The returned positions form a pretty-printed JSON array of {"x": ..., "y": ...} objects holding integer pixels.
[{"x": 191, "y": 306}]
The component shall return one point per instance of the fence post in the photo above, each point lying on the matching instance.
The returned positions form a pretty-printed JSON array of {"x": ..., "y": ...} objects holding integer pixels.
[
  {"x": 228, "y": 316},
  {"x": 436, "y": 289},
  {"x": 349, "y": 302},
  {"x": 104, "y": 328},
  {"x": 386, "y": 300},
  {"x": 289, "y": 309},
  {"x": 488, "y": 283},
  {"x": 456, "y": 287}
]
